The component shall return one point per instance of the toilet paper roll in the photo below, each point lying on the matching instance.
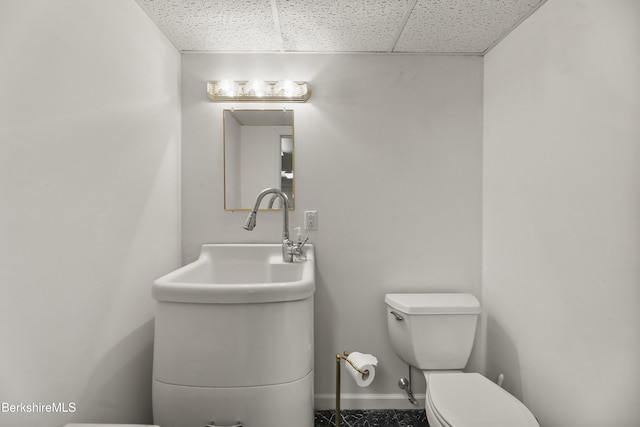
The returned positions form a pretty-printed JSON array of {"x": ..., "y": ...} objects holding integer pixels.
[{"x": 364, "y": 362}]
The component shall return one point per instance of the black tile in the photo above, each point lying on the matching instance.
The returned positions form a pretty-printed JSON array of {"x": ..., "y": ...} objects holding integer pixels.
[
  {"x": 373, "y": 418},
  {"x": 411, "y": 418}
]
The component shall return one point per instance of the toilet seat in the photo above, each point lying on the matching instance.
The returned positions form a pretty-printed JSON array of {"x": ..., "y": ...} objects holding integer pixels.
[{"x": 471, "y": 400}]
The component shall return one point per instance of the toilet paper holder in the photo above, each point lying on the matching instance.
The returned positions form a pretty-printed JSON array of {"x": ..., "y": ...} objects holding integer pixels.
[{"x": 343, "y": 356}]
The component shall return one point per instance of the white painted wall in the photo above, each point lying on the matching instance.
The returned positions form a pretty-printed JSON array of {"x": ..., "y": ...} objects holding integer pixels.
[
  {"x": 89, "y": 214},
  {"x": 561, "y": 280},
  {"x": 388, "y": 151}
]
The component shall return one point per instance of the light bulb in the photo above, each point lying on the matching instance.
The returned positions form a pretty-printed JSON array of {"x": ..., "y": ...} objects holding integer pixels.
[
  {"x": 256, "y": 88},
  {"x": 226, "y": 87}
]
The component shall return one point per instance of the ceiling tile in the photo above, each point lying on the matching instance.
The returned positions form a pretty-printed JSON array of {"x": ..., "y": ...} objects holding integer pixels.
[
  {"x": 340, "y": 25},
  {"x": 216, "y": 25},
  {"x": 461, "y": 26}
]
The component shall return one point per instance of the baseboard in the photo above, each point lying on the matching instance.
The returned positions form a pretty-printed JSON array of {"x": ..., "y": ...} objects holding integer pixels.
[{"x": 327, "y": 401}]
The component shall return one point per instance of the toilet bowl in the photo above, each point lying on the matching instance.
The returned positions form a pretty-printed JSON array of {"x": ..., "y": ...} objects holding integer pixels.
[
  {"x": 469, "y": 399},
  {"x": 435, "y": 333}
]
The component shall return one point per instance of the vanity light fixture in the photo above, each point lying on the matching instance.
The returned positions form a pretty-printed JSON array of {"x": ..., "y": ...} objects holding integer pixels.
[{"x": 258, "y": 91}]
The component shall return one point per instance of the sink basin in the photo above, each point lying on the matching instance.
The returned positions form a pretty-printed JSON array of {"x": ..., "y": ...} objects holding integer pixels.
[{"x": 239, "y": 273}]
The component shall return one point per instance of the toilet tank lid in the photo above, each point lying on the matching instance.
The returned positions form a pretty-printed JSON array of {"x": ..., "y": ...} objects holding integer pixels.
[{"x": 433, "y": 303}]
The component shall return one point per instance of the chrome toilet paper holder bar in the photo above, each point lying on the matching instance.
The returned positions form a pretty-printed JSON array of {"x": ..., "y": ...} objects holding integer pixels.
[{"x": 343, "y": 356}]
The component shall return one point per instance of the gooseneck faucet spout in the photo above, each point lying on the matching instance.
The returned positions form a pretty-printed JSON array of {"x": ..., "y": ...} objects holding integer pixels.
[{"x": 250, "y": 222}]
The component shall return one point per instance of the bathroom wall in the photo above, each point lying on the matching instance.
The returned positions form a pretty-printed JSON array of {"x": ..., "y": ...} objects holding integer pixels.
[
  {"x": 89, "y": 214},
  {"x": 388, "y": 150},
  {"x": 562, "y": 213}
]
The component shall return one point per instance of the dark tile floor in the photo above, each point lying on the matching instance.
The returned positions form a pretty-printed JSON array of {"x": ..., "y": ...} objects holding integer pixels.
[{"x": 373, "y": 418}]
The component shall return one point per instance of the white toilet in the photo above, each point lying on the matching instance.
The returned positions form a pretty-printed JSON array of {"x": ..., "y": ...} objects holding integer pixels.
[{"x": 435, "y": 333}]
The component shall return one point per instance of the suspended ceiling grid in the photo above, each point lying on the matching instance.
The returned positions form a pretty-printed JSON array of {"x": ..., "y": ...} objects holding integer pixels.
[{"x": 331, "y": 26}]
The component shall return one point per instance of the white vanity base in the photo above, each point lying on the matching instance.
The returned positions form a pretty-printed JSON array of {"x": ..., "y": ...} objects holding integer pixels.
[
  {"x": 234, "y": 340},
  {"x": 281, "y": 405}
]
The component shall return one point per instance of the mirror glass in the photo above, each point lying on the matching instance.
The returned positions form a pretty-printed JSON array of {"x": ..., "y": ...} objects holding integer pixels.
[{"x": 258, "y": 153}]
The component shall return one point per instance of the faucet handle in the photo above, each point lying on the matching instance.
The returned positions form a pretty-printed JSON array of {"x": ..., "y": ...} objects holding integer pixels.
[
  {"x": 301, "y": 244},
  {"x": 296, "y": 248}
]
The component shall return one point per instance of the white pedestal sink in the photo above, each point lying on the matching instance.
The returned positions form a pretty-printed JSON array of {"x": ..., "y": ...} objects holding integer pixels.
[{"x": 234, "y": 339}]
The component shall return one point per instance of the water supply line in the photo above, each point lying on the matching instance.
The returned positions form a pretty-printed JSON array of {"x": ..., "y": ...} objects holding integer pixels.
[{"x": 405, "y": 384}]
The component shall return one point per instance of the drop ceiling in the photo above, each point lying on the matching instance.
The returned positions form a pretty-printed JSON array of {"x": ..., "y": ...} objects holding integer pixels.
[{"x": 331, "y": 26}]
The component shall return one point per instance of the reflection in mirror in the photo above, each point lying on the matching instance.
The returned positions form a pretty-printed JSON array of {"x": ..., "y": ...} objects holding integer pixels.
[{"x": 258, "y": 153}]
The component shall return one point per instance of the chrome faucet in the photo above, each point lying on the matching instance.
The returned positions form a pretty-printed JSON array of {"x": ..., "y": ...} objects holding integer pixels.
[
  {"x": 272, "y": 200},
  {"x": 290, "y": 249}
]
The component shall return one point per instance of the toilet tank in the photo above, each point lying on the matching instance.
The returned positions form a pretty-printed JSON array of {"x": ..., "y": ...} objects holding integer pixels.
[{"x": 432, "y": 331}]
